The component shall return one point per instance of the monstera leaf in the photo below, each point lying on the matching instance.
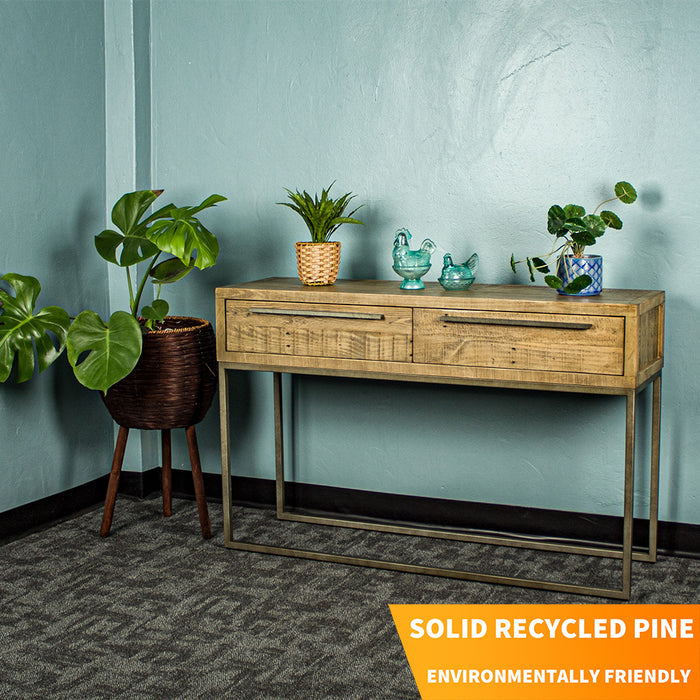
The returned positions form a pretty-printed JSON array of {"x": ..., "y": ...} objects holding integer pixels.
[
  {"x": 134, "y": 248},
  {"x": 21, "y": 330},
  {"x": 176, "y": 230},
  {"x": 171, "y": 270},
  {"x": 126, "y": 216},
  {"x": 103, "y": 353}
]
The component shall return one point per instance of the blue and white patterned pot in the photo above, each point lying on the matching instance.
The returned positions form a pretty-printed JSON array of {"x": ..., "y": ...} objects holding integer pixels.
[{"x": 570, "y": 268}]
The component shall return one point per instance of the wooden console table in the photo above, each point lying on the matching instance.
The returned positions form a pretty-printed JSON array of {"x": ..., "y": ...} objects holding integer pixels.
[{"x": 502, "y": 336}]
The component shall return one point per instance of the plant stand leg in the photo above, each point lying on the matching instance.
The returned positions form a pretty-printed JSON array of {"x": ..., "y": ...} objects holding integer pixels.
[
  {"x": 198, "y": 482},
  {"x": 113, "y": 485},
  {"x": 166, "y": 473}
]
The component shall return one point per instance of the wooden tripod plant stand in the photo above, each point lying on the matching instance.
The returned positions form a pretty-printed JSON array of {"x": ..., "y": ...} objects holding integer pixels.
[
  {"x": 172, "y": 386},
  {"x": 118, "y": 459}
]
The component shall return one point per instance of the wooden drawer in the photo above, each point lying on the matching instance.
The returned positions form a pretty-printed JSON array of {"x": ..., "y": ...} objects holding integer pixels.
[
  {"x": 520, "y": 341},
  {"x": 319, "y": 330}
]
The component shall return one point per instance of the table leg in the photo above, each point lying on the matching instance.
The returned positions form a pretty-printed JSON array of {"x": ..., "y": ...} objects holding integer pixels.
[
  {"x": 225, "y": 429},
  {"x": 625, "y": 553},
  {"x": 654, "y": 478},
  {"x": 628, "y": 508},
  {"x": 650, "y": 553},
  {"x": 279, "y": 445}
]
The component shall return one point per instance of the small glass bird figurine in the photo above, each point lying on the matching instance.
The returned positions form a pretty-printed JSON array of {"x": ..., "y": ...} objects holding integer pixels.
[
  {"x": 411, "y": 264},
  {"x": 458, "y": 277}
]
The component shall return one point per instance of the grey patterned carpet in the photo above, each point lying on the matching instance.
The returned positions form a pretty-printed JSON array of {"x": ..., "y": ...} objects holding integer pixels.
[{"x": 155, "y": 612}]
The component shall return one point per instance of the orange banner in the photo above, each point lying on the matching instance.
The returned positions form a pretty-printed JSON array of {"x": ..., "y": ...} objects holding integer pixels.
[{"x": 552, "y": 652}]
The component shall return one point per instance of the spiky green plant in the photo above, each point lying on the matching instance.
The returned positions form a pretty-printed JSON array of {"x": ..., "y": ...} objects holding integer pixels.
[
  {"x": 322, "y": 216},
  {"x": 573, "y": 231}
]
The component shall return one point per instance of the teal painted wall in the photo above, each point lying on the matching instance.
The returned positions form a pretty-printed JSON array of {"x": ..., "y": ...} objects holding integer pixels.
[
  {"x": 460, "y": 120},
  {"x": 53, "y": 433},
  {"x": 463, "y": 121}
]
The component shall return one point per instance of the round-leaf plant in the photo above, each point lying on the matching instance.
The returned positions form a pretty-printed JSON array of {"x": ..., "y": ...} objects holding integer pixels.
[{"x": 574, "y": 230}]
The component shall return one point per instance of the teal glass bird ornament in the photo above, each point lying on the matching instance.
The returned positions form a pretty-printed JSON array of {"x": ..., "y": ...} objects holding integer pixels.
[
  {"x": 411, "y": 264},
  {"x": 458, "y": 277}
]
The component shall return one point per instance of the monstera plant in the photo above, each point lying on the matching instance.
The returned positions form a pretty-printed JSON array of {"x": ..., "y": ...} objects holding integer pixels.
[{"x": 162, "y": 247}]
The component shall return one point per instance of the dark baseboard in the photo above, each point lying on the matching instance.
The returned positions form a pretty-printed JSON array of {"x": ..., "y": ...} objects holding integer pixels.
[
  {"x": 680, "y": 539},
  {"x": 52, "y": 509},
  {"x": 142, "y": 484}
]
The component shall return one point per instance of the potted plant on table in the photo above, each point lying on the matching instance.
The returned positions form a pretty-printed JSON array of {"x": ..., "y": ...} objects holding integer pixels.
[
  {"x": 153, "y": 371},
  {"x": 318, "y": 260},
  {"x": 573, "y": 230}
]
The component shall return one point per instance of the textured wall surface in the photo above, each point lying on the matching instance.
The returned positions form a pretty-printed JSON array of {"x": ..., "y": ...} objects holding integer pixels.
[
  {"x": 53, "y": 433},
  {"x": 463, "y": 121}
]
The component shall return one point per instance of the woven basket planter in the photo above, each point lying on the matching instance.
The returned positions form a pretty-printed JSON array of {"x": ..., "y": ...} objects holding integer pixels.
[
  {"x": 174, "y": 381},
  {"x": 317, "y": 263}
]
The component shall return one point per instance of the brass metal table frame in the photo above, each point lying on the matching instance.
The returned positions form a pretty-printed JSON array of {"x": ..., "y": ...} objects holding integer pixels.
[{"x": 625, "y": 551}]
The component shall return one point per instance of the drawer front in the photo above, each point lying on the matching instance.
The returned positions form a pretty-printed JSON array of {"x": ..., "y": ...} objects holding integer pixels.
[
  {"x": 319, "y": 330},
  {"x": 520, "y": 341}
]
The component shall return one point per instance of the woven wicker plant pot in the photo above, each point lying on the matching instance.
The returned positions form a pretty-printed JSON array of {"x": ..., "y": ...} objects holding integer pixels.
[
  {"x": 174, "y": 381},
  {"x": 317, "y": 263}
]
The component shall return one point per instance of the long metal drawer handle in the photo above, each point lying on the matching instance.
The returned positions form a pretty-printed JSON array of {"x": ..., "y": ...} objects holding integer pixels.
[
  {"x": 514, "y": 322},
  {"x": 316, "y": 313}
]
